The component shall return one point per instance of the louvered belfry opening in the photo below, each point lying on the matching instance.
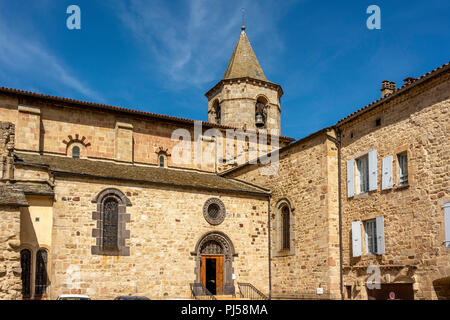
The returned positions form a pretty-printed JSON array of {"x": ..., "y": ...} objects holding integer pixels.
[{"x": 285, "y": 217}]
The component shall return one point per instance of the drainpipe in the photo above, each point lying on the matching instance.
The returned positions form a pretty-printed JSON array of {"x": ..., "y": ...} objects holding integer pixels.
[
  {"x": 341, "y": 279},
  {"x": 270, "y": 251}
]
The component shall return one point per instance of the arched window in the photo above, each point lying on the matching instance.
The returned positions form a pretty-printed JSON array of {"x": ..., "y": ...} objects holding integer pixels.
[
  {"x": 286, "y": 228},
  {"x": 161, "y": 161},
  {"x": 25, "y": 264},
  {"x": 41, "y": 273},
  {"x": 76, "y": 152},
  {"x": 260, "y": 112},
  {"x": 284, "y": 225},
  {"x": 110, "y": 223},
  {"x": 111, "y": 216}
]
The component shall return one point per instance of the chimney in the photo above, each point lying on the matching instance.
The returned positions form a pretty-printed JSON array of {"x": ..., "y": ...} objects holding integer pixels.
[
  {"x": 387, "y": 88},
  {"x": 408, "y": 80}
]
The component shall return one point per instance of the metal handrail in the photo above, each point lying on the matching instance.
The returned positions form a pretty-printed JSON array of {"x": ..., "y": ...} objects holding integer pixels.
[
  {"x": 199, "y": 292},
  {"x": 248, "y": 291}
]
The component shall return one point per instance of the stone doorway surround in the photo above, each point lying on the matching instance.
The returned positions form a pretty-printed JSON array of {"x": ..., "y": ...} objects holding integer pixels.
[{"x": 228, "y": 255}]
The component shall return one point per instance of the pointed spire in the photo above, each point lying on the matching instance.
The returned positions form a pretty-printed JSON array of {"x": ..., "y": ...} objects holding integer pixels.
[{"x": 243, "y": 62}]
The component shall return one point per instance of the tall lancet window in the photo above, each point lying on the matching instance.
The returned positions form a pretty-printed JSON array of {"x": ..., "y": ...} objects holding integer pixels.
[
  {"x": 41, "y": 273},
  {"x": 217, "y": 111},
  {"x": 286, "y": 236},
  {"x": 110, "y": 223}
]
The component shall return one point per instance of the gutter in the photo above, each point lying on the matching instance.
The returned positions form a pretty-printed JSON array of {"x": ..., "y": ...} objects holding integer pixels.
[
  {"x": 341, "y": 277},
  {"x": 270, "y": 249}
]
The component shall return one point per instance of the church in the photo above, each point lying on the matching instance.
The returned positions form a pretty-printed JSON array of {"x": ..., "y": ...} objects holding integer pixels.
[{"x": 93, "y": 200}]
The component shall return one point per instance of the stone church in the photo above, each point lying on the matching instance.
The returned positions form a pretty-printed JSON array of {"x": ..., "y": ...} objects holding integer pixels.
[{"x": 93, "y": 202}]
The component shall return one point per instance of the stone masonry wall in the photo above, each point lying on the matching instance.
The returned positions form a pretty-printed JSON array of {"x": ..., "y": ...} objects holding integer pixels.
[
  {"x": 237, "y": 100},
  {"x": 165, "y": 226},
  {"x": 55, "y": 128},
  {"x": 10, "y": 269},
  {"x": 418, "y": 123},
  {"x": 307, "y": 178}
]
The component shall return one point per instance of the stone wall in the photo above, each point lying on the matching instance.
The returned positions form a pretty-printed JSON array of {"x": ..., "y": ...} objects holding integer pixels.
[
  {"x": 237, "y": 99},
  {"x": 415, "y": 122},
  {"x": 307, "y": 179},
  {"x": 165, "y": 226},
  {"x": 10, "y": 270},
  {"x": 54, "y": 128}
]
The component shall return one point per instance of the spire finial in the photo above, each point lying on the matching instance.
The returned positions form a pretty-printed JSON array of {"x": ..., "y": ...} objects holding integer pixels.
[{"x": 243, "y": 19}]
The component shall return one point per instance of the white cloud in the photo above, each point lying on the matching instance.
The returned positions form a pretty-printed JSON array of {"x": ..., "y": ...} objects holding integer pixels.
[
  {"x": 192, "y": 42},
  {"x": 23, "y": 58}
]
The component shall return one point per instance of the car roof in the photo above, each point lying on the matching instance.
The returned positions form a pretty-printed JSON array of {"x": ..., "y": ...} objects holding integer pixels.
[{"x": 73, "y": 296}]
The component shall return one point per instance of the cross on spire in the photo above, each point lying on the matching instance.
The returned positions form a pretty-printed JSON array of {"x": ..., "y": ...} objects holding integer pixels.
[{"x": 243, "y": 19}]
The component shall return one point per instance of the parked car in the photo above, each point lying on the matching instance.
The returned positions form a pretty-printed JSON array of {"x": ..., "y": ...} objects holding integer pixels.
[
  {"x": 73, "y": 297},
  {"x": 131, "y": 298}
]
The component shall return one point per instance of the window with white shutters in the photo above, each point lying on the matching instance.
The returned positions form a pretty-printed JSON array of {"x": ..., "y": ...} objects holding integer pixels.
[
  {"x": 371, "y": 236},
  {"x": 403, "y": 168},
  {"x": 386, "y": 180},
  {"x": 363, "y": 172}
]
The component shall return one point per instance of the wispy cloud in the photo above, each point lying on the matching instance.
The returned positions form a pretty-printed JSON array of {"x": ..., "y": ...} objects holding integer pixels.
[
  {"x": 192, "y": 41},
  {"x": 24, "y": 58}
]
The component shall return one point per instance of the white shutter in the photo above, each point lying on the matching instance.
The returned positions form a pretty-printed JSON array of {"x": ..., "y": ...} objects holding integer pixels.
[
  {"x": 350, "y": 178},
  {"x": 380, "y": 235},
  {"x": 386, "y": 179},
  {"x": 356, "y": 239},
  {"x": 447, "y": 224},
  {"x": 373, "y": 179}
]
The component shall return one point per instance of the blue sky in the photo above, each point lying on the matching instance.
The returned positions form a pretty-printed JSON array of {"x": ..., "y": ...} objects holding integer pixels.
[{"x": 162, "y": 56}]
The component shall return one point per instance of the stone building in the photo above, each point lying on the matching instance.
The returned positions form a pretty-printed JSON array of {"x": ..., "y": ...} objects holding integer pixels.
[{"x": 94, "y": 199}]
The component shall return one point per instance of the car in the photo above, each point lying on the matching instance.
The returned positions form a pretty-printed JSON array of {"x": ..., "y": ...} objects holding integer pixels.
[
  {"x": 131, "y": 298},
  {"x": 73, "y": 297}
]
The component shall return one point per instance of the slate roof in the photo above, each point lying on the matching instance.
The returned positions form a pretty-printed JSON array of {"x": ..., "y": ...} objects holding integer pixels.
[
  {"x": 243, "y": 62},
  {"x": 12, "y": 196},
  {"x": 145, "y": 174}
]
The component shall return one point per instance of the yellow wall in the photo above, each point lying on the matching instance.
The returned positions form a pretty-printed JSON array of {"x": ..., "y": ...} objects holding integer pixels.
[{"x": 32, "y": 232}]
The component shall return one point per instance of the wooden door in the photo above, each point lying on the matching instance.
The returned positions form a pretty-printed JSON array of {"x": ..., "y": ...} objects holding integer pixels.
[{"x": 219, "y": 274}]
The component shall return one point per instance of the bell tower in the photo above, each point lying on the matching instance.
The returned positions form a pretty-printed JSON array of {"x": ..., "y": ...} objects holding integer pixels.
[{"x": 244, "y": 98}]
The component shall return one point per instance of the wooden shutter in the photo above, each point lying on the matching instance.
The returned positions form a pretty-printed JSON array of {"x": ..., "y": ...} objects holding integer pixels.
[
  {"x": 350, "y": 178},
  {"x": 356, "y": 239},
  {"x": 380, "y": 235},
  {"x": 373, "y": 179},
  {"x": 447, "y": 224},
  {"x": 386, "y": 179}
]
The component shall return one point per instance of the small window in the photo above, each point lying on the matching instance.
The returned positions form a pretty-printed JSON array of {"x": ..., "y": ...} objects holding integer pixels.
[
  {"x": 41, "y": 273},
  {"x": 378, "y": 122},
  {"x": 363, "y": 172},
  {"x": 76, "y": 152},
  {"x": 25, "y": 263},
  {"x": 285, "y": 218},
  {"x": 371, "y": 236},
  {"x": 161, "y": 161},
  {"x": 403, "y": 168}
]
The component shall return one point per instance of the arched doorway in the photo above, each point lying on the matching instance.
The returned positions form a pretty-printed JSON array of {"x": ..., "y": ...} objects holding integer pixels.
[{"x": 214, "y": 258}]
